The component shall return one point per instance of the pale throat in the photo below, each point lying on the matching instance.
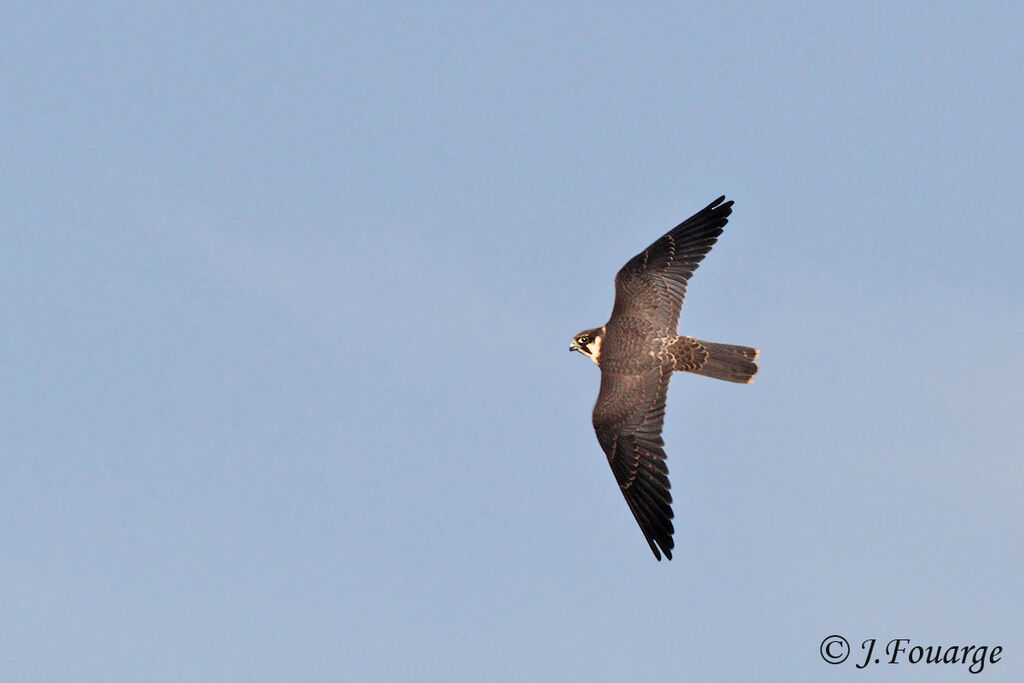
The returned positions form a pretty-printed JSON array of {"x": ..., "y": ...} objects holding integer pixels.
[{"x": 595, "y": 350}]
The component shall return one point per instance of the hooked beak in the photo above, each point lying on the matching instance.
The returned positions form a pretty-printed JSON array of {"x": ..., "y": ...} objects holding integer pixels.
[{"x": 574, "y": 347}]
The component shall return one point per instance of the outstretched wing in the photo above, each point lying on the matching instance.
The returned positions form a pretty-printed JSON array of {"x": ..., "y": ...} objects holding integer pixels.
[
  {"x": 651, "y": 286},
  {"x": 628, "y": 418}
]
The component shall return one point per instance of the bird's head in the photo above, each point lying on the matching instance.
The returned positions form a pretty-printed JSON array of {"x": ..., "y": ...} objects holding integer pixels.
[{"x": 588, "y": 342}]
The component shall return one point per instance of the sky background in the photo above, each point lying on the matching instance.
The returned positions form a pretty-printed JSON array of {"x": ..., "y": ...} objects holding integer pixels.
[{"x": 286, "y": 291}]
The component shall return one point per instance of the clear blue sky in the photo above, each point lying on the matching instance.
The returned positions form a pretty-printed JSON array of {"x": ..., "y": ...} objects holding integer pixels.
[{"x": 286, "y": 292}]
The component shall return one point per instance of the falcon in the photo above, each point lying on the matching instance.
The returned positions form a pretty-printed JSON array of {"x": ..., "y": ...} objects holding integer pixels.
[{"x": 638, "y": 349}]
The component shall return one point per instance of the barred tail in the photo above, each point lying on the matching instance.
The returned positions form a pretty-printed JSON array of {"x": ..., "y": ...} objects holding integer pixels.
[{"x": 719, "y": 361}]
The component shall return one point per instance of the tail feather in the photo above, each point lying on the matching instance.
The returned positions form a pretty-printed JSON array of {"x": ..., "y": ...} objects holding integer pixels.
[{"x": 720, "y": 361}]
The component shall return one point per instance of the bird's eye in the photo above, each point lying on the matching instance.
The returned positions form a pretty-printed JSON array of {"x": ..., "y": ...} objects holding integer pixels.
[{"x": 584, "y": 340}]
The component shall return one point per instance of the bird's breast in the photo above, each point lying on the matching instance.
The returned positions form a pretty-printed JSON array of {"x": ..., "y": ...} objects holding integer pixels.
[{"x": 632, "y": 346}]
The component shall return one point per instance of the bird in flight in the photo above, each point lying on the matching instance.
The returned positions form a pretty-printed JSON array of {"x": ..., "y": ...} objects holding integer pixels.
[{"x": 638, "y": 349}]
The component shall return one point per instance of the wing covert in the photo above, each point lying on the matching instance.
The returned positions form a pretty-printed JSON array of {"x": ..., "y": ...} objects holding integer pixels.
[
  {"x": 652, "y": 284},
  {"x": 628, "y": 419}
]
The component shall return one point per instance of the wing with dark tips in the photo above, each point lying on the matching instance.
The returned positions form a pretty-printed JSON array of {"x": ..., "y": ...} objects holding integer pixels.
[
  {"x": 628, "y": 419},
  {"x": 652, "y": 285}
]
